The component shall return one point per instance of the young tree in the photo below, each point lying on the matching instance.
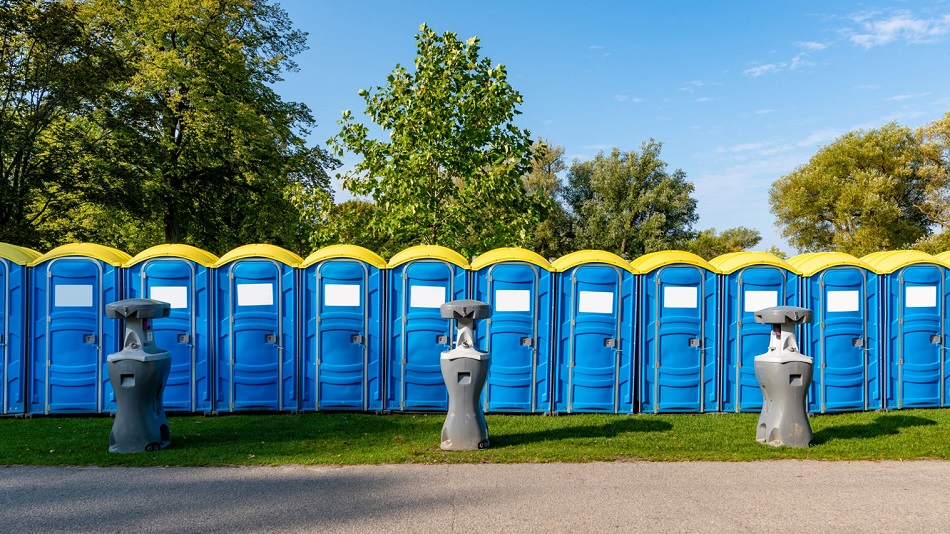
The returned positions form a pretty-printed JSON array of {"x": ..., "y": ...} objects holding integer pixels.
[
  {"x": 708, "y": 244},
  {"x": 553, "y": 237},
  {"x": 448, "y": 170},
  {"x": 866, "y": 191},
  {"x": 628, "y": 204}
]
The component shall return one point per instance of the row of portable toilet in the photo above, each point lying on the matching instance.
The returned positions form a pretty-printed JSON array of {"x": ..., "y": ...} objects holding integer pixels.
[{"x": 263, "y": 329}]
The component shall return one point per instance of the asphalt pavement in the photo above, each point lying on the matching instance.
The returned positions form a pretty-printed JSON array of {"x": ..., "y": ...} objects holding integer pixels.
[{"x": 772, "y": 496}]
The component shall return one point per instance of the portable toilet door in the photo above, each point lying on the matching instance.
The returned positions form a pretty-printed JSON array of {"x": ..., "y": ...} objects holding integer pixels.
[
  {"x": 751, "y": 281},
  {"x": 70, "y": 334},
  {"x": 180, "y": 275},
  {"x": 13, "y": 330},
  {"x": 421, "y": 279},
  {"x": 679, "y": 333},
  {"x": 843, "y": 337},
  {"x": 593, "y": 369},
  {"x": 518, "y": 285},
  {"x": 255, "y": 338},
  {"x": 915, "y": 324},
  {"x": 341, "y": 307}
]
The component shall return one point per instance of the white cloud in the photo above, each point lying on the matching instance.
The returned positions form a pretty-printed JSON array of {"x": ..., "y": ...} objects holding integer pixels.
[
  {"x": 820, "y": 137},
  {"x": 797, "y": 62},
  {"x": 898, "y": 27},
  {"x": 704, "y": 99},
  {"x": 898, "y": 98},
  {"x": 621, "y": 98},
  {"x": 812, "y": 45},
  {"x": 764, "y": 111},
  {"x": 595, "y": 47}
]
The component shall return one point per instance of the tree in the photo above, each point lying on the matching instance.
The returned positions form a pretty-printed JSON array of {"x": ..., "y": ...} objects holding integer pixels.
[
  {"x": 217, "y": 153},
  {"x": 350, "y": 223},
  {"x": 708, "y": 244},
  {"x": 553, "y": 237},
  {"x": 866, "y": 191},
  {"x": 52, "y": 68},
  {"x": 628, "y": 204},
  {"x": 449, "y": 170}
]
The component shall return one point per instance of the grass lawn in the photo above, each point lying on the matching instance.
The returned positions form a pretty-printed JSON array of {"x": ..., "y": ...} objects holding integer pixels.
[{"x": 346, "y": 439}]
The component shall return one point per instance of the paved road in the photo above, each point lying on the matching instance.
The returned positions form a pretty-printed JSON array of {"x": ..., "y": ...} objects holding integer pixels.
[{"x": 776, "y": 496}]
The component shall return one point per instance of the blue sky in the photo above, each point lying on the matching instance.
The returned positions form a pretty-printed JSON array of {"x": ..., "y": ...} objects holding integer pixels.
[{"x": 740, "y": 93}]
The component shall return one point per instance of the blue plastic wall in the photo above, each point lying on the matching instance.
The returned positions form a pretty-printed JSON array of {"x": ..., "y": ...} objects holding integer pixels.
[
  {"x": 417, "y": 333},
  {"x": 71, "y": 336},
  {"x": 186, "y": 332},
  {"x": 594, "y": 353},
  {"x": 13, "y": 280},
  {"x": 679, "y": 340},
  {"x": 518, "y": 335},
  {"x": 744, "y": 292},
  {"x": 255, "y": 337},
  {"x": 342, "y": 342},
  {"x": 916, "y": 333},
  {"x": 843, "y": 338}
]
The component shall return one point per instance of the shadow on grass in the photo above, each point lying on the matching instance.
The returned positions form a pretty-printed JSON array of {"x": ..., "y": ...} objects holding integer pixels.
[
  {"x": 883, "y": 425},
  {"x": 607, "y": 430}
]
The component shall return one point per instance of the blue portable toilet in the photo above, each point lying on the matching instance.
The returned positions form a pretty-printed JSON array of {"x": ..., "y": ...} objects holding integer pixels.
[
  {"x": 594, "y": 333},
  {"x": 13, "y": 332},
  {"x": 70, "y": 335},
  {"x": 420, "y": 280},
  {"x": 255, "y": 329},
  {"x": 843, "y": 337},
  {"x": 519, "y": 286},
  {"x": 750, "y": 281},
  {"x": 342, "y": 321},
  {"x": 915, "y": 295},
  {"x": 180, "y": 275},
  {"x": 679, "y": 333}
]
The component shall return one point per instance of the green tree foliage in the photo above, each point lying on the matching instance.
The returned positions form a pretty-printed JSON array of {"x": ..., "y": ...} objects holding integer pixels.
[
  {"x": 196, "y": 130},
  {"x": 449, "y": 168},
  {"x": 52, "y": 69},
  {"x": 627, "y": 203},
  {"x": 350, "y": 223},
  {"x": 866, "y": 191},
  {"x": 554, "y": 235},
  {"x": 708, "y": 244}
]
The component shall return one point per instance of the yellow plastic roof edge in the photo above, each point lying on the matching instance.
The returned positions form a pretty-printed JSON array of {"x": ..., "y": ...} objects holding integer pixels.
[
  {"x": 733, "y": 261},
  {"x": 345, "y": 251},
  {"x": 889, "y": 261},
  {"x": 499, "y": 255},
  {"x": 654, "y": 260},
  {"x": 112, "y": 256},
  {"x": 574, "y": 259},
  {"x": 812, "y": 262},
  {"x": 943, "y": 256},
  {"x": 260, "y": 250},
  {"x": 17, "y": 254},
  {"x": 427, "y": 251},
  {"x": 178, "y": 250}
]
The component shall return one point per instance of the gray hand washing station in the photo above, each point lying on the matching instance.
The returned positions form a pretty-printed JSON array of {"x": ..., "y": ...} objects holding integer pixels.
[
  {"x": 138, "y": 374},
  {"x": 464, "y": 370},
  {"x": 784, "y": 375}
]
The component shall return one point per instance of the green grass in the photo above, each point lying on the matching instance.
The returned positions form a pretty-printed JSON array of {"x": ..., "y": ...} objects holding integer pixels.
[{"x": 347, "y": 439}]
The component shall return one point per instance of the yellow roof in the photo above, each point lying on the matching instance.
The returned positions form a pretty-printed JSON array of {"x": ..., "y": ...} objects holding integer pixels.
[
  {"x": 427, "y": 251},
  {"x": 812, "y": 262},
  {"x": 345, "y": 251},
  {"x": 112, "y": 256},
  {"x": 188, "y": 252},
  {"x": 655, "y": 260},
  {"x": 943, "y": 256},
  {"x": 590, "y": 256},
  {"x": 892, "y": 260},
  {"x": 17, "y": 254},
  {"x": 733, "y": 261},
  {"x": 260, "y": 251},
  {"x": 510, "y": 254}
]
